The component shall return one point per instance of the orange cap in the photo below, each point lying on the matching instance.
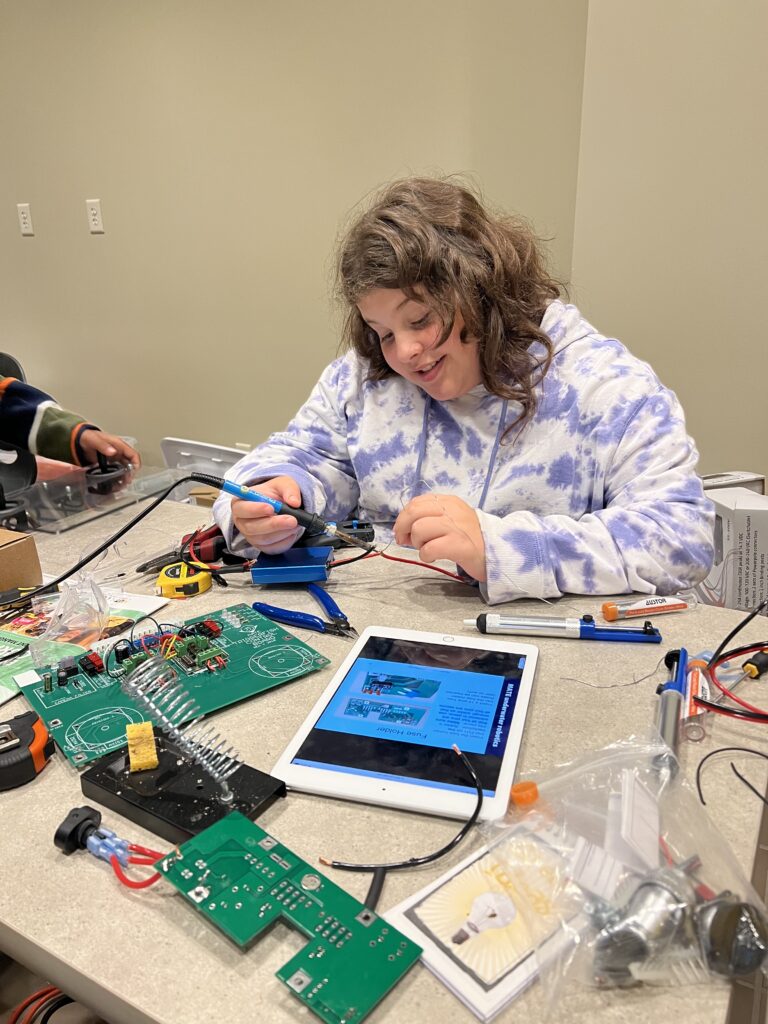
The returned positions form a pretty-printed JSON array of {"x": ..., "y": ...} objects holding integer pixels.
[
  {"x": 610, "y": 611},
  {"x": 524, "y": 794}
]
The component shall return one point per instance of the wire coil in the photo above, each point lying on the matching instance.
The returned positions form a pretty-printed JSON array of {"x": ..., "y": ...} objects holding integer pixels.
[{"x": 154, "y": 685}]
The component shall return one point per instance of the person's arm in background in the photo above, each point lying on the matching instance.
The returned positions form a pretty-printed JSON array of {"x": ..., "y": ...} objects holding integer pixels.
[
  {"x": 653, "y": 535},
  {"x": 312, "y": 451},
  {"x": 31, "y": 419}
]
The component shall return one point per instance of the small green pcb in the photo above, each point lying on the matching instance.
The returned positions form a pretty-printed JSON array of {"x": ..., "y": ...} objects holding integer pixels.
[
  {"x": 220, "y": 659},
  {"x": 243, "y": 880}
]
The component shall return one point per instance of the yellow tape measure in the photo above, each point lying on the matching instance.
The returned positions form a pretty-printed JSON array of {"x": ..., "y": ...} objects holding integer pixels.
[{"x": 182, "y": 580}]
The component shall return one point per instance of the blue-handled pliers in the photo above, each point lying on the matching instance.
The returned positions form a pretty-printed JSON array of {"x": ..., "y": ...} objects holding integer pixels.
[{"x": 337, "y": 623}]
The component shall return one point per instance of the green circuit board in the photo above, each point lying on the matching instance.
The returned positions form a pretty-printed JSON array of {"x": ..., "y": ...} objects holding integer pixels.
[
  {"x": 241, "y": 655},
  {"x": 243, "y": 880}
]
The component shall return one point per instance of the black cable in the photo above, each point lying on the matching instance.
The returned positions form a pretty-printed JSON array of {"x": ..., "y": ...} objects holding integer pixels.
[
  {"x": 144, "y": 618},
  {"x": 736, "y": 629},
  {"x": 730, "y": 711},
  {"x": 374, "y": 890},
  {"x": 380, "y": 870},
  {"x": 722, "y": 750},
  {"x": 110, "y": 540},
  {"x": 748, "y": 784},
  {"x": 57, "y": 1005}
]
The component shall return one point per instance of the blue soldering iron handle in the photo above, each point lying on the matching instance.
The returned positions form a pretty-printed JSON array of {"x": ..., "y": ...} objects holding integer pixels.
[{"x": 306, "y": 519}]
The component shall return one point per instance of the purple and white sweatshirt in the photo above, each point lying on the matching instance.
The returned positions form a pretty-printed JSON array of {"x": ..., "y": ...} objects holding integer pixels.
[{"x": 596, "y": 494}]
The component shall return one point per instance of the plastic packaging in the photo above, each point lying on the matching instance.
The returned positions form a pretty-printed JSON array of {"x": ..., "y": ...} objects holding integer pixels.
[
  {"x": 644, "y": 888},
  {"x": 81, "y": 610}
]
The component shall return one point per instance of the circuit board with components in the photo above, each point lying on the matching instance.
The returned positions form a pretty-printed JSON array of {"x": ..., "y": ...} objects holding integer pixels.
[
  {"x": 221, "y": 658},
  {"x": 243, "y": 880}
]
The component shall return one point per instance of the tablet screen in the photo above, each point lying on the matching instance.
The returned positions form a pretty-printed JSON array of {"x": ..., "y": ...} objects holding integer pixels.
[{"x": 403, "y": 704}]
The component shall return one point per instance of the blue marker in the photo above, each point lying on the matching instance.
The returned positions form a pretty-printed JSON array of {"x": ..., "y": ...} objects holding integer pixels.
[{"x": 584, "y": 628}]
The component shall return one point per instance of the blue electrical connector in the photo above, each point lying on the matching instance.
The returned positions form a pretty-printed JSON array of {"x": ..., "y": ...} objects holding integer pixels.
[{"x": 105, "y": 845}]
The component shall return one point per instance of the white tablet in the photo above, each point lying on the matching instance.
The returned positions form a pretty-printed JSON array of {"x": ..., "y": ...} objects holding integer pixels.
[{"x": 383, "y": 730}]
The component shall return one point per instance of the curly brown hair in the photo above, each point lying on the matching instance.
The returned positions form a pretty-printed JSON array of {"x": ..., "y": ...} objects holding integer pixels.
[{"x": 434, "y": 240}]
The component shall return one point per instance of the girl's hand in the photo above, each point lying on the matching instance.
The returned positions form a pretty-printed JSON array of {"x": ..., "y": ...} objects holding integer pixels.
[
  {"x": 94, "y": 441},
  {"x": 258, "y": 522},
  {"x": 443, "y": 526}
]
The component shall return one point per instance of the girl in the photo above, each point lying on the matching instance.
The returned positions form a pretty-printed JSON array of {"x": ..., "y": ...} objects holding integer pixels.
[{"x": 482, "y": 419}]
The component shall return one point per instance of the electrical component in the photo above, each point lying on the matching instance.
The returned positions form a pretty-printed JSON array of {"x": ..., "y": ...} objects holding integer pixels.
[
  {"x": 82, "y": 830},
  {"x": 88, "y": 714},
  {"x": 142, "y": 752},
  {"x": 243, "y": 880},
  {"x": 756, "y": 665}
]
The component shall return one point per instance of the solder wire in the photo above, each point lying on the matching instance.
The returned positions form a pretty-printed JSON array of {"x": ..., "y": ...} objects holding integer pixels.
[{"x": 380, "y": 870}]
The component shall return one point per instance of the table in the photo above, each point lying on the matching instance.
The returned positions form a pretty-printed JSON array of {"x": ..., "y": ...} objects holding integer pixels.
[{"x": 141, "y": 957}]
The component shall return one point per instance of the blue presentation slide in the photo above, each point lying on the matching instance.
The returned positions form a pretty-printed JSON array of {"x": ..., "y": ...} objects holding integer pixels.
[{"x": 432, "y": 706}]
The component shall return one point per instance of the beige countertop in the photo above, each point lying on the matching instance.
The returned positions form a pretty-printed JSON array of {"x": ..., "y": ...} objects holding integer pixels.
[{"x": 144, "y": 956}]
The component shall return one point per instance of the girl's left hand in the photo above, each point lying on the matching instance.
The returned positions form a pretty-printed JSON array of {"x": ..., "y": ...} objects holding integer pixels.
[{"x": 443, "y": 526}]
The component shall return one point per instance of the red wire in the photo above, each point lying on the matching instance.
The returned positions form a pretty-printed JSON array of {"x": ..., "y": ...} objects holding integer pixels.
[
  {"x": 407, "y": 561},
  {"x": 724, "y": 689},
  {"x": 425, "y": 565},
  {"x": 135, "y": 848},
  {"x": 122, "y": 877},
  {"x": 47, "y": 991},
  {"x": 37, "y": 1006}
]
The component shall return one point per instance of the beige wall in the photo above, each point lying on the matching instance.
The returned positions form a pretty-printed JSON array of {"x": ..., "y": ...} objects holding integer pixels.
[
  {"x": 671, "y": 227},
  {"x": 227, "y": 141}
]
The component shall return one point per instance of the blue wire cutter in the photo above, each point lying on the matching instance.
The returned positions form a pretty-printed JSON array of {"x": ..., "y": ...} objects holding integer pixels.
[{"x": 337, "y": 626}]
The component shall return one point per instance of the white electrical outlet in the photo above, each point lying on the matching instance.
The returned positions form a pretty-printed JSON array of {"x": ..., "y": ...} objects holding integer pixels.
[
  {"x": 25, "y": 218},
  {"x": 95, "y": 223}
]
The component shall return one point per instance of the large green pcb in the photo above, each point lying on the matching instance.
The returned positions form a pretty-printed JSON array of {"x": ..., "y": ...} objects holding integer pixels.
[
  {"x": 243, "y": 880},
  {"x": 87, "y": 714}
]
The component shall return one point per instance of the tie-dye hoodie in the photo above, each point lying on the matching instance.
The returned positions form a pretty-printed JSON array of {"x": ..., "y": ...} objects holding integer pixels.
[{"x": 596, "y": 494}]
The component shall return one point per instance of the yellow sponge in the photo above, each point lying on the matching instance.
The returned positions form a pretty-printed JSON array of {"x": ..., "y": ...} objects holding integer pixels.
[{"x": 142, "y": 752}]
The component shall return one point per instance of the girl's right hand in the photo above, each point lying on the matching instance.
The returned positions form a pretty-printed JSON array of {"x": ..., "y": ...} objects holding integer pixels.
[{"x": 258, "y": 522}]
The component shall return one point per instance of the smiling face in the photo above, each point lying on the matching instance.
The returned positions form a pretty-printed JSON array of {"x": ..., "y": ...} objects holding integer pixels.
[{"x": 409, "y": 334}]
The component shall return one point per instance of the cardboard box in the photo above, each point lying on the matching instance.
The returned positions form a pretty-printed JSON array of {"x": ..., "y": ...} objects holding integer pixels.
[
  {"x": 739, "y": 576},
  {"x": 19, "y": 564},
  {"x": 734, "y": 478},
  {"x": 204, "y": 496}
]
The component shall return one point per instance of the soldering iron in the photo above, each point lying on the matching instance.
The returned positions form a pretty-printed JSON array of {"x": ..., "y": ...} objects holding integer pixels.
[{"x": 311, "y": 522}]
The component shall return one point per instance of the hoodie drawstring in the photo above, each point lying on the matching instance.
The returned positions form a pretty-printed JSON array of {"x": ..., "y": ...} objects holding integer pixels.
[{"x": 491, "y": 461}]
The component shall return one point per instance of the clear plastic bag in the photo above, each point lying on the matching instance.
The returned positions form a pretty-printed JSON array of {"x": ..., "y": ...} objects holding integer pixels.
[
  {"x": 646, "y": 890},
  {"x": 81, "y": 611}
]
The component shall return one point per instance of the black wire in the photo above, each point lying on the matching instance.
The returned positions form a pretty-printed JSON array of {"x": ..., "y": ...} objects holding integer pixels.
[
  {"x": 374, "y": 890},
  {"x": 748, "y": 784},
  {"x": 731, "y": 711},
  {"x": 736, "y": 629},
  {"x": 57, "y": 1005},
  {"x": 109, "y": 541},
  {"x": 144, "y": 618},
  {"x": 722, "y": 750},
  {"x": 349, "y": 561},
  {"x": 380, "y": 870}
]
